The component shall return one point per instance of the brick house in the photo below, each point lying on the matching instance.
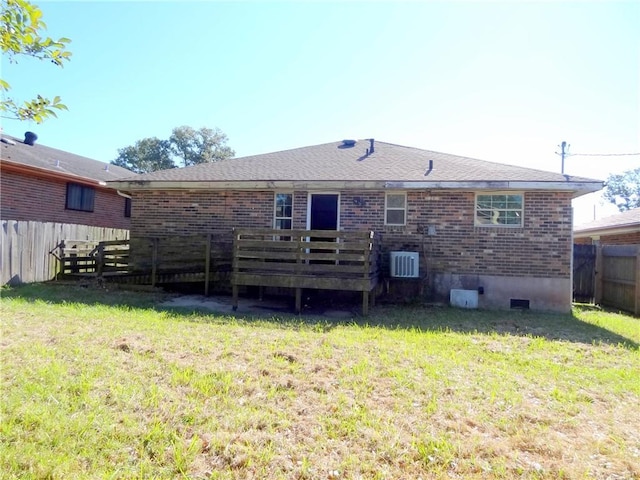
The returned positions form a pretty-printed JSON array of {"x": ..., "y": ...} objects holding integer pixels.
[
  {"x": 500, "y": 230},
  {"x": 45, "y": 184},
  {"x": 620, "y": 229}
]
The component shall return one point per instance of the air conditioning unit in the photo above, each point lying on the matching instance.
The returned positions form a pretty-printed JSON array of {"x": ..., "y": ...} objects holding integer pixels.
[{"x": 405, "y": 264}]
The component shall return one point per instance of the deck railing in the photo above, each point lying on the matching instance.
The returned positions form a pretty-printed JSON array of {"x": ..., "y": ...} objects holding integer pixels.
[
  {"x": 315, "y": 259},
  {"x": 83, "y": 257}
]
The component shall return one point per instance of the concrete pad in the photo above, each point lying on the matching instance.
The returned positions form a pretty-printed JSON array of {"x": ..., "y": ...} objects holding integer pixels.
[
  {"x": 221, "y": 304},
  {"x": 269, "y": 306}
]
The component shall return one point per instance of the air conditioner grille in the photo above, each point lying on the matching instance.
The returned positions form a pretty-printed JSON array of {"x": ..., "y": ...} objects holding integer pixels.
[{"x": 405, "y": 264}]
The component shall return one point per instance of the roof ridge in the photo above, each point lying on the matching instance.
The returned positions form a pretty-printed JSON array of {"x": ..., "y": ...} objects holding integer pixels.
[{"x": 284, "y": 150}]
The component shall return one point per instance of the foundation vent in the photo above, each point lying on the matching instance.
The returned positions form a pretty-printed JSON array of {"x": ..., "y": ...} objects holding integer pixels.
[
  {"x": 405, "y": 264},
  {"x": 519, "y": 303}
]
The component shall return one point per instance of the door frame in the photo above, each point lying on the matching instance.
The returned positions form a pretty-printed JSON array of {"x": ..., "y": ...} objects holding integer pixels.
[{"x": 309, "y": 197}]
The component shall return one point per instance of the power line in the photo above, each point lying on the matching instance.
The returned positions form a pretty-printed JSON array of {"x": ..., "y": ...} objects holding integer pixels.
[
  {"x": 564, "y": 153},
  {"x": 601, "y": 154}
]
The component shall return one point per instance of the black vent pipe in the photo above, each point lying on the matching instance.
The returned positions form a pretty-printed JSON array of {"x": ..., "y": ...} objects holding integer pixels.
[{"x": 30, "y": 138}]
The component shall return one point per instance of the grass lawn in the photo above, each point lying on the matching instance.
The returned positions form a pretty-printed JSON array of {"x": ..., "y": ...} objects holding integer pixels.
[{"x": 103, "y": 384}]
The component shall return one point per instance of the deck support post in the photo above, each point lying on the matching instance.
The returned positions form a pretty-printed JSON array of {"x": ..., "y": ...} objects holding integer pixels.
[
  {"x": 365, "y": 303},
  {"x": 234, "y": 293},
  {"x": 154, "y": 260},
  {"x": 207, "y": 265},
  {"x": 298, "y": 300}
]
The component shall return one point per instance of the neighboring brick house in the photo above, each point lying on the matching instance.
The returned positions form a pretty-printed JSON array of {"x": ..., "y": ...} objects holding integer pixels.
[
  {"x": 44, "y": 184},
  {"x": 503, "y": 230},
  {"x": 620, "y": 229}
]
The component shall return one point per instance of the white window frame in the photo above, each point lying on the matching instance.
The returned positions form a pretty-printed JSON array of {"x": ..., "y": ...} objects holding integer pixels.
[
  {"x": 275, "y": 209},
  {"x": 387, "y": 208},
  {"x": 493, "y": 222}
]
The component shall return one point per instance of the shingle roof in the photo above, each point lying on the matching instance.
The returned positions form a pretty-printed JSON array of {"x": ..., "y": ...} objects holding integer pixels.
[
  {"x": 628, "y": 218},
  {"x": 336, "y": 162},
  {"x": 59, "y": 161}
]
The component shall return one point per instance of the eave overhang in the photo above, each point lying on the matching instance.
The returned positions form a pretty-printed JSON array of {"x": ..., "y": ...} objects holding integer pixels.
[
  {"x": 577, "y": 188},
  {"x": 16, "y": 167},
  {"x": 605, "y": 231},
  {"x": 137, "y": 185}
]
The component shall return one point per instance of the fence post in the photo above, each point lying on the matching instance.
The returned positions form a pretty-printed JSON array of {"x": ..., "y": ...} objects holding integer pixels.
[
  {"x": 637, "y": 280},
  {"x": 599, "y": 281},
  {"x": 100, "y": 260},
  {"x": 60, "y": 273}
]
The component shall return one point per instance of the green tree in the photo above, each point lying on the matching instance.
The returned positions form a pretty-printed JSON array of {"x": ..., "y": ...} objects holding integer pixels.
[
  {"x": 20, "y": 35},
  {"x": 199, "y": 146},
  {"x": 185, "y": 147},
  {"x": 147, "y": 155},
  {"x": 624, "y": 189}
]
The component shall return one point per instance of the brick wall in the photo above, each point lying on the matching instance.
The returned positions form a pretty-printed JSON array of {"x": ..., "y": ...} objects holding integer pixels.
[
  {"x": 631, "y": 238},
  {"x": 541, "y": 248},
  {"x": 582, "y": 241},
  {"x": 43, "y": 199},
  {"x": 168, "y": 213}
]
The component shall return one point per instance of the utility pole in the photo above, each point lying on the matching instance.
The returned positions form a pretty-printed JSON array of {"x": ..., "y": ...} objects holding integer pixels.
[{"x": 564, "y": 153}]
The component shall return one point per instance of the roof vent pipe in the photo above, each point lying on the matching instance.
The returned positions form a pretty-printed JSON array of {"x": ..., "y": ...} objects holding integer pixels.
[
  {"x": 430, "y": 168},
  {"x": 30, "y": 138}
]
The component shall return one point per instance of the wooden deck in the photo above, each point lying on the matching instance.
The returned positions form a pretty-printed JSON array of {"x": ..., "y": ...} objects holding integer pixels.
[
  {"x": 298, "y": 259},
  {"x": 295, "y": 259}
]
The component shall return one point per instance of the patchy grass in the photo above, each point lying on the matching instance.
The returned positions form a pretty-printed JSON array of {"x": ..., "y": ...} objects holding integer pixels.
[{"x": 101, "y": 384}]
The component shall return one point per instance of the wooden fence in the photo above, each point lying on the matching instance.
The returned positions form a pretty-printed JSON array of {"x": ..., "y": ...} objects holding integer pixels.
[
  {"x": 25, "y": 247},
  {"x": 618, "y": 277}
]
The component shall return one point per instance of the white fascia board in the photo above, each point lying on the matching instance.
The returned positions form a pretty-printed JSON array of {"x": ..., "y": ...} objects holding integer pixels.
[
  {"x": 603, "y": 231},
  {"x": 579, "y": 188}
]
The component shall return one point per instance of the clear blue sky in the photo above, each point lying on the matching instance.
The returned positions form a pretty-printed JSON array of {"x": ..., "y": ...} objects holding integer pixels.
[{"x": 501, "y": 81}]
